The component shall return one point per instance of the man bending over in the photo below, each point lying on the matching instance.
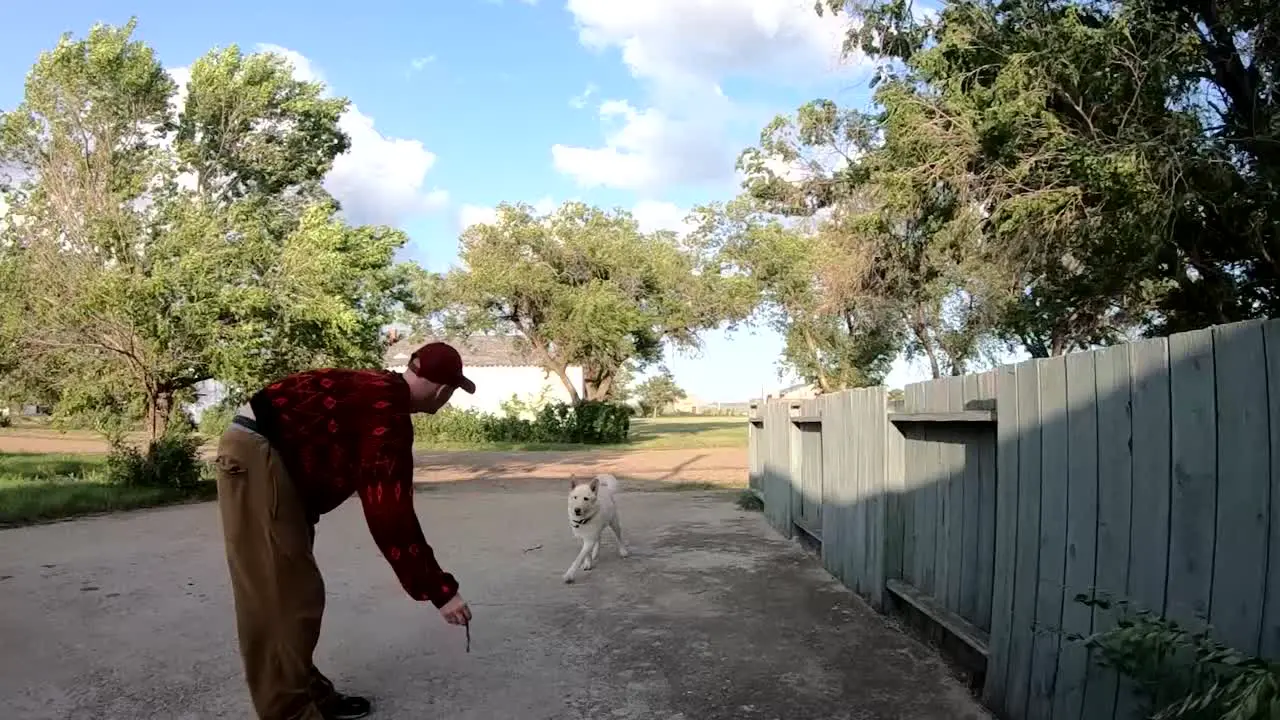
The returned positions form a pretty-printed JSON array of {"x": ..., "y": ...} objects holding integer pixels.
[{"x": 297, "y": 450}]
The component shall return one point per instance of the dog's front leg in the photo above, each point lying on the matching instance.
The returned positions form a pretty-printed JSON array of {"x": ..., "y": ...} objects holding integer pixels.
[
  {"x": 572, "y": 572},
  {"x": 616, "y": 526},
  {"x": 595, "y": 552}
]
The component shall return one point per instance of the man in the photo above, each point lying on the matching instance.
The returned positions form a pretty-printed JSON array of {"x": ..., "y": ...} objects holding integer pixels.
[{"x": 300, "y": 448}]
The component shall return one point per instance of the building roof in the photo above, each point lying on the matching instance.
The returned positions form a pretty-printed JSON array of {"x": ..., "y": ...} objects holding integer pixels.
[{"x": 476, "y": 351}]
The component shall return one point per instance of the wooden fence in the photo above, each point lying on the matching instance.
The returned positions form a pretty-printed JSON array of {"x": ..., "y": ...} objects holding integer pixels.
[{"x": 990, "y": 502}]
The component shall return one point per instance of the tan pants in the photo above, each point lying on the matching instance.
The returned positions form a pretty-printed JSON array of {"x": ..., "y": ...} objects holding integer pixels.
[{"x": 279, "y": 594}]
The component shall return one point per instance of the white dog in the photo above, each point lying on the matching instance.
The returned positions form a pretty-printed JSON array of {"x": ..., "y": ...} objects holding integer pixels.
[{"x": 591, "y": 510}]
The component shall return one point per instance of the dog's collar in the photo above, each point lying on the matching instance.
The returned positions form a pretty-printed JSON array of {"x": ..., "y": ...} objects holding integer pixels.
[{"x": 579, "y": 522}]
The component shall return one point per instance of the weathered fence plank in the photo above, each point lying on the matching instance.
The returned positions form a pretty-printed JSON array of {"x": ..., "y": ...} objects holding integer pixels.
[
  {"x": 874, "y": 421},
  {"x": 837, "y": 436},
  {"x": 896, "y": 505},
  {"x": 986, "y": 457},
  {"x": 1239, "y": 578},
  {"x": 996, "y": 687},
  {"x": 1149, "y": 552},
  {"x": 1115, "y": 498},
  {"x": 1269, "y": 643},
  {"x": 1193, "y": 502},
  {"x": 1054, "y": 457},
  {"x": 1027, "y": 554},
  {"x": 1082, "y": 530},
  {"x": 777, "y": 470}
]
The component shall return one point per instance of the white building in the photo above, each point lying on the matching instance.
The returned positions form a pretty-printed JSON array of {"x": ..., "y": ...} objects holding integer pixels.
[{"x": 500, "y": 366}]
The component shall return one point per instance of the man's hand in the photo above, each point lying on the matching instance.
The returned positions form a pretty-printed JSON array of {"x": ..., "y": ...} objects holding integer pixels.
[{"x": 456, "y": 612}]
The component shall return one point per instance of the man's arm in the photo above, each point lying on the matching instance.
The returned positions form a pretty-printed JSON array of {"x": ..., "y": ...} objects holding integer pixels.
[{"x": 387, "y": 496}]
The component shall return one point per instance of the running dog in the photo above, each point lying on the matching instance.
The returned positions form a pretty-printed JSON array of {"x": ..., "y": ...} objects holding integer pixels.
[{"x": 591, "y": 510}]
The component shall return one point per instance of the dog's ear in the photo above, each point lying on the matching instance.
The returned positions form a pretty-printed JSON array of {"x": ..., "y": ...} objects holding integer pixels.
[{"x": 595, "y": 484}]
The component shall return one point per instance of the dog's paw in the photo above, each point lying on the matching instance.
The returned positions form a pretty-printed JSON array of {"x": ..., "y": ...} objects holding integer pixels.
[
  {"x": 587, "y": 565},
  {"x": 568, "y": 578},
  {"x": 623, "y": 552}
]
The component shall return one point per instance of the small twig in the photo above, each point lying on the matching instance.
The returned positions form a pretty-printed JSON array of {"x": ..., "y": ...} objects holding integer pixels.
[
  {"x": 467, "y": 627},
  {"x": 531, "y": 549}
]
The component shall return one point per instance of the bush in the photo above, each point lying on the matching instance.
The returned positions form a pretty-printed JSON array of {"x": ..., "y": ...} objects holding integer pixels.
[
  {"x": 591, "y": 423},
  {"x": 1183, "y": 674},
  {"x": 171, "y": 461}
]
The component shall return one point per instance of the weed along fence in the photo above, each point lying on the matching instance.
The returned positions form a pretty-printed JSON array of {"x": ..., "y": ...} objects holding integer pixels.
[{"x": 1147, "y": 472}]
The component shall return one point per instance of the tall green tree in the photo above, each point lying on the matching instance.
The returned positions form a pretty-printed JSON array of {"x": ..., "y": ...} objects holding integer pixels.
[
  {"x": 833, "y": 340},
  {"x": 1123, "y": 155},
  {"x": 658, "y": 392},
  {"x": 583, "y": 286},
  {"x": 900, "y": 245},
  {"x": 155, "y": 247}
]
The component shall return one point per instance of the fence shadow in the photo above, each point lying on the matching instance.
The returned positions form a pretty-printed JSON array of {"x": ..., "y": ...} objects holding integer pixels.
[{"x": 984, "y": 505}]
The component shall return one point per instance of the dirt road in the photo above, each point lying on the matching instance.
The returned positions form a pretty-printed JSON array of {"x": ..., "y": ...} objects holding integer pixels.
[{"x": 721, "y": 466}]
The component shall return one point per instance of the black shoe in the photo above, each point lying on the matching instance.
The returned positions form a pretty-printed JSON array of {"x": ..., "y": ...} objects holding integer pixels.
[{"x": 344, "y": 707}]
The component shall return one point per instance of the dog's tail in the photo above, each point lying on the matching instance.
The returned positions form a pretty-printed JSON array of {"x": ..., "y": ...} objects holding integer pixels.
[{"x": 608, "y": 481}]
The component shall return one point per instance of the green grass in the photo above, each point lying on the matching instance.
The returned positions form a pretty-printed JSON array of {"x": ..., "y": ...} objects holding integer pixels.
[
  {"x": 670, "y": 433},
  {"x": 42, "y": 487}
]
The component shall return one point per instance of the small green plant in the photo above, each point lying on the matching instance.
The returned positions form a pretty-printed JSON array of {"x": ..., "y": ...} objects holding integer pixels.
[
  {"x": 171, "y": 461},
  {"x": 749, "y": 501},
  {"x": 1183, "y": 674}
]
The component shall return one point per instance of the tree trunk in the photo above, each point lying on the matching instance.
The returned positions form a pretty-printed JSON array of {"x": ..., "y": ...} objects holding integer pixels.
[
  {"x": 598, "y": 381},
  {"x": 161, "y": 405},
  {"x": 823, "y": 381},
  {"x": 551, "y": 364}
]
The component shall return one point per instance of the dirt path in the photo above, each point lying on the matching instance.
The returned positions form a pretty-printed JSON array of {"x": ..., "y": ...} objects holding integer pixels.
[
  {"x": 712, "y": 617},
  {"x": 722, "y": 466}
]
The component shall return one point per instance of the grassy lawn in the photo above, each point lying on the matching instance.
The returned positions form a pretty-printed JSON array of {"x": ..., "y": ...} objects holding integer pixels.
[
  {"x": 670, "y": 433},
  {"x": 39, "y": 487}
]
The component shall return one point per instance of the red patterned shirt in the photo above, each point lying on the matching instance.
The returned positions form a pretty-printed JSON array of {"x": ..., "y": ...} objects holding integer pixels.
[{"x": 347, "y": 431}]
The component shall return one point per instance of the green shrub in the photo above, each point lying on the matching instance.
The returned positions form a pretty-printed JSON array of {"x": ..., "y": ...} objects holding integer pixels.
[
  {"x": 1183, "y": 674},
  {"x": 171, "y": 461},
  {"x": 592, "y": 423}
]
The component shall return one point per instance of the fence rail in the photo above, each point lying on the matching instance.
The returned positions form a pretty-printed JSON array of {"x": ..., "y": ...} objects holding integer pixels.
[{"x": 1148, "y": 472}]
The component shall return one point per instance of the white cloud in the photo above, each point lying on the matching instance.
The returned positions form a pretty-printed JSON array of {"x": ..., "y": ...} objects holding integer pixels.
[
  {"x": 645, "y": 149},
  {"x": 579, "y": 101},
  {"x": 681, "y": 40},
  {"x": 419, "y": 64},
  {"x": 655, "y": 215},
  {"x": 683, "y": 50},
  {"x": 469, "y": 215}
]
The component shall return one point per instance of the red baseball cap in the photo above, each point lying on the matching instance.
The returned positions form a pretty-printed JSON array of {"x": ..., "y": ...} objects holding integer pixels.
[{"x": 441, "y": 364}]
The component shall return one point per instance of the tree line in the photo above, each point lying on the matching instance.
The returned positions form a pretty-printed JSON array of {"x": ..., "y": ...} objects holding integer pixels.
[{"x": 1050, "y": 176}]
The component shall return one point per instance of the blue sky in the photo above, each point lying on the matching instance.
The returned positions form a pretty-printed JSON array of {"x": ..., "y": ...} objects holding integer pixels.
[{"x": 461, "y": 104}]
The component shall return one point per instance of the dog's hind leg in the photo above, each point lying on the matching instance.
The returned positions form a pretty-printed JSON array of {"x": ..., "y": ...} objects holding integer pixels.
[
  {"x": 572, "y": 572},
  {"x": 616, "y": 526}
]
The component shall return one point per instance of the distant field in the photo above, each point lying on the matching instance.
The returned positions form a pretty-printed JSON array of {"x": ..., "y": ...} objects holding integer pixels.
[
  {"x": 40, "y": 486},
  {"x": 669, "y": 433}
]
